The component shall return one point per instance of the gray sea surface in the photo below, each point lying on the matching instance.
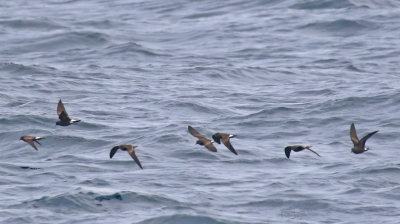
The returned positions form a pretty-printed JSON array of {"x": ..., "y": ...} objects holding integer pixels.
[{"x": 273, "y": 72}]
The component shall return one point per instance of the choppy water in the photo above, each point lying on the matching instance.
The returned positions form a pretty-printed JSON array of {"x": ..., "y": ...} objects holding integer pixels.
[{"x": 139, "y": 72}]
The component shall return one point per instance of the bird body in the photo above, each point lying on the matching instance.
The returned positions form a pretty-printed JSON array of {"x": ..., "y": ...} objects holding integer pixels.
[
  {"x": 63, "y": 115},
  {"x": 359, "y": 145},
  {"x": 130, "y": 149},
  {"x": 202, "y": 140},
  {"x": 31, "y": 140},
  {"x": 225, "y": 140},
  {"x": 298, "y": 148}
]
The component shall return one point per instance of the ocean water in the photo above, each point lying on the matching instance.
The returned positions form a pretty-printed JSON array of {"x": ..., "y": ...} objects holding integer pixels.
[{"x": 273, "y": 72}]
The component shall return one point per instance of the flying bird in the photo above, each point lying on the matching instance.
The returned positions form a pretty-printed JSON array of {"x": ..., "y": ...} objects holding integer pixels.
[
  {"x": 225, "y": 139},
  {"x": 63, "y": 115},
  {"x": 359, "y": 145},
  {"x": 31, "y": 140},
  {"x": 130, "y": 149},
  {"x": 298, "y": 148},
  {"x": 202, "y": 139}
]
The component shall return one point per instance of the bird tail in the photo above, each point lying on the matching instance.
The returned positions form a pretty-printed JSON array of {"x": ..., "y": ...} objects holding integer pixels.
[{"x": 38, "y": 138}]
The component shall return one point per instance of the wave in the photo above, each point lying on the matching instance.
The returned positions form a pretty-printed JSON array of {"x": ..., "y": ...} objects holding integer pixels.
[
  {"x": 255, "y": 161},
  {"x": 138, "y": 198},
  {"x": 265, "y": 113},
  {"x": 323, "y": 4},
  {"x": 62, "y": 203},
  {"x": 336, "y": 166},
  {"x": 191, "y": 107},
  {"x": 131, "y": 48},
  {"x": 62, "y": 41},
  {"x": 183, "y": 219},
  {"x": 17, "y": 220},
  {"x": 203, "y": 15},
  {"x": 381, "y": 170},
  {"x": 352, "y": 191},
  {"x": 196, "y": 153},
  {"x": 300, "y": 204},
  {"x": 63, "y": 2},
  {"x": 100, "y": 24},
  {"x": 343, "y": 27},
  {"x": 168, "y": 138},
  {"x": 319, "y": 92},
  {"x": 22, "y": 69},
  {"x": 31, "y": 120},
  {"x": 96, "y": 182},
  {"x": 90, "y": 201},
  {"x": 31, "y": 24},
  {"x": 69, "y": 140},
  {"x": 351, "y": 102}
]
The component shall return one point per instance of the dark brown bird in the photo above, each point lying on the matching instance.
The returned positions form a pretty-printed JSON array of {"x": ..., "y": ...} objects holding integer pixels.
[
  {"x": 202, "y": 139},
  {"x": 30, "y": 140},
  {"x": 298, "y": 148},
  {"x": 63, "y": 115},
  {"x": 130, "y": 149},
  {"x": 225, "y": 139},
  {"x": 359, "y": 145}
]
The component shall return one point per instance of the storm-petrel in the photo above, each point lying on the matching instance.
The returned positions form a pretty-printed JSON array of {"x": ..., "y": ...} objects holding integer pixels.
[
  {"x": 225, "y": 139},
  {"x": 130, "y": 149},
  {"x": 359, "y": 145},
  {"x": 202, "y": 139},
  {"x": 63, "y": 116},
  {"x": 30, "y": 140},
  {"x": 298, "y": 148}
]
